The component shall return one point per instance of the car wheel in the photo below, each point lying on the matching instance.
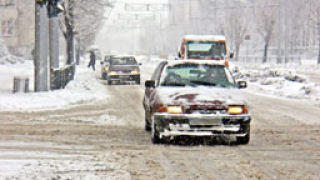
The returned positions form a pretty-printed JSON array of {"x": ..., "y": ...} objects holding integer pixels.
[
  {"x": 104, "y": 76},
  {"x": 109, "y": 82},
  {"x": 246, "y": 139},
  {"x": 147, "y": 125},
  {"x": 138, "y": 80},
  {"x": 154, "y": 134}
]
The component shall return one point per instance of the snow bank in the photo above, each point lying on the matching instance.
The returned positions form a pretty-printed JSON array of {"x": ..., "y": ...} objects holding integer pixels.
[
  {"x": 279, "y": 81},
  {"x": 85, "y": 88}
]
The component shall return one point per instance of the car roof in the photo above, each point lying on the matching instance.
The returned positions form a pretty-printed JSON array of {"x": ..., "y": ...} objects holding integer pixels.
[
  {"x": 196, "y": 62},
  {"x": 204, "y": 38}
]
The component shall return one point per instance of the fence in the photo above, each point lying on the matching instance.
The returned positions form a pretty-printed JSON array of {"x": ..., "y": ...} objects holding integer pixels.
[
  {"x": 270, "y": 60},
  {"x": 61, "y": 77}
]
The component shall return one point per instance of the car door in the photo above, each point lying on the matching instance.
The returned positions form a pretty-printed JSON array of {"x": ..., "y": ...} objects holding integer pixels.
[{"x": 148, "y": 91}]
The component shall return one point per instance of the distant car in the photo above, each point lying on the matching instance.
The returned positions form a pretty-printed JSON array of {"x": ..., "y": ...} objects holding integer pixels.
[
  {"x": 123, "y": 69},
  {"x": 195, "y": 98}
]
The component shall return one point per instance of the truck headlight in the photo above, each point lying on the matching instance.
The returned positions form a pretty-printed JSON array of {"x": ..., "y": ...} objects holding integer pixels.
[
  {"x": 234, "y": 110},
  {"x": 135, "y": 72}
]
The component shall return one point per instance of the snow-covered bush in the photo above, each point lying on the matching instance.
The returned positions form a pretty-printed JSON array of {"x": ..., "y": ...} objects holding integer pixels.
[{"x": 6, "y": 57}]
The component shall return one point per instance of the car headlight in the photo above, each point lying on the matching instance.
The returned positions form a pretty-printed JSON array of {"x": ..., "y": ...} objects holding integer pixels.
[
  {"x": 113, "y": 73},
  {"x": 234, "y": 110},
  {"x": 106, "y": 68},
  {"x": 135, "y": 72},
  {"x": 171, "y": 109}
]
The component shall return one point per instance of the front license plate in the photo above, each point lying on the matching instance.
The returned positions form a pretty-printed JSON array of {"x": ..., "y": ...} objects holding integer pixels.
[{"x": 205, "y": 122}]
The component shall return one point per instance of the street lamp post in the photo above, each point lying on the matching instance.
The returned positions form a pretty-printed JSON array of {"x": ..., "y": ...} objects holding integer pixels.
[{"x": 41, "y": 49}]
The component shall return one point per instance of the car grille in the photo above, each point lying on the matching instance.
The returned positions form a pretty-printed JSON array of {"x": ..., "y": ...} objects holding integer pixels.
[
  {"x": 126, "y": 71},
  {"x": 206, "y": 111}
]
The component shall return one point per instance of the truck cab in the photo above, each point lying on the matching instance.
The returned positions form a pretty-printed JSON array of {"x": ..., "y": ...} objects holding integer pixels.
[{"x": 204, "y": 47}]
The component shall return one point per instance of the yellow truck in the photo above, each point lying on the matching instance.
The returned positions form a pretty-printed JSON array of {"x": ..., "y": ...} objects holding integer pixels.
[{"x": 205, "y": 47}]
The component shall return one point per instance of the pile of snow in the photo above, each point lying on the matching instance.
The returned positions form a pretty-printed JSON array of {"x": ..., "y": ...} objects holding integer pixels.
[
  {"x": 279, "y": 82},
  {"x": 6, "y": 57},
  {"x": 85, "y": 88},
  {"x": 63, "y": 167}
]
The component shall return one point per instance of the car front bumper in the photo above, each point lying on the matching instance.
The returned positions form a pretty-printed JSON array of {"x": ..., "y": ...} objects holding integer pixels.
[
  {"x": 201, "y": 125},
  {"x": 124, "y": 77}
]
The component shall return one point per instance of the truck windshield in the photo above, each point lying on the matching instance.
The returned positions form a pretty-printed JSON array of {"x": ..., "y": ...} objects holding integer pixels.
[
  {"x": 197, "y": 75},
  {"x": 123, "y": 61},
  {"x": 206, "y": 50}
]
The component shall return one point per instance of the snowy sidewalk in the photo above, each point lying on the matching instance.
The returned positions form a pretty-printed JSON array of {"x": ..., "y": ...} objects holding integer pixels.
[{"x": 85, "y": 88}]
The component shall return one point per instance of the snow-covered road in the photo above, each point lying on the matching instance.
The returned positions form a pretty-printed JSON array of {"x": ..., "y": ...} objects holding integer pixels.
[{"x": 106, "y": 140}]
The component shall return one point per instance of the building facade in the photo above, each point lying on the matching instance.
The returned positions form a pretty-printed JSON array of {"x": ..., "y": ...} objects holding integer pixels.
[{"x": 17, "y": 24}]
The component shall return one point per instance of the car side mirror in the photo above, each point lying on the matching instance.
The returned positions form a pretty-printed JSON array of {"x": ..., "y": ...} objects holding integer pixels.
[
  {"x": 231, "y": 55},
  {"x": 179, "y": 55},
  {"x": 150, "y": 84},
  {"x": 242, "y": 84},
  {"x": 140, "y": 64},
  {"x": 101, "y": 62}
]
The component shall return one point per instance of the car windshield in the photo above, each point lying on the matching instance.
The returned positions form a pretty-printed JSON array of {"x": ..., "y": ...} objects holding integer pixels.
[
  {"x": 197, "y": 75},
  {"x": 129, "y": 61},
  {"x": 206, "y": 50}
]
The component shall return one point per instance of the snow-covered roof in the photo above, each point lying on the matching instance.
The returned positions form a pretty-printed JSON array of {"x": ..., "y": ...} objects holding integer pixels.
[
  {"x": 201, "y": 62},
  {"x": 204, "y": 38}
]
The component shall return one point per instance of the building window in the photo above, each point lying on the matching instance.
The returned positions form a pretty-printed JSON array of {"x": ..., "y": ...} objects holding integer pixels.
[
  {"x": 7, "y": 28},
  {"x": 6, "y": 2}
]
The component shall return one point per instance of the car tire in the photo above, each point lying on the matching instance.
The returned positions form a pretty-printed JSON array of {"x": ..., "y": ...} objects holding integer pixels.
[
  {"x": 155, "y": 139},
  {"x": 104, "y": 76},
  {"x": 246, "y": 139},
  {"x": 138, "y": 81},
  {"x": 109, "y": 82}
]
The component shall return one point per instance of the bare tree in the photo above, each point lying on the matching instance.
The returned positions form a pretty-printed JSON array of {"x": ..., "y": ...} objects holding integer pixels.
[
  {"x": 265, "y": 15},
  {"x": 82, "y": 18},
  {"x": 235, "y": 26},
  {"x": 315, "y": 17}
]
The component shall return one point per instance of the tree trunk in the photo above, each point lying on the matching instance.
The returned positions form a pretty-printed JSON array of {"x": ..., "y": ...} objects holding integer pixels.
[
  {"x": 319, "y": 53},
  {"x": 237, "y": 52},
  {"x": 69, "y": 22},
  {"x": 265, "y": 53}
]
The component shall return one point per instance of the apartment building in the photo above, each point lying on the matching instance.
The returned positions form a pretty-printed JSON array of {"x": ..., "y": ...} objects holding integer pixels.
[{"x": 17, "y": 26}]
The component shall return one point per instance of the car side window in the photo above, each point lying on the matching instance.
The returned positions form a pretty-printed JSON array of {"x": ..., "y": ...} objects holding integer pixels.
[{"x": 156, "y": 75}]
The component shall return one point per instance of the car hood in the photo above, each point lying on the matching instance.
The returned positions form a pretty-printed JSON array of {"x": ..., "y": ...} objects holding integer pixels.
[
  {"x": 213, "y": 96},
  {"x": 124, "y": 68}
]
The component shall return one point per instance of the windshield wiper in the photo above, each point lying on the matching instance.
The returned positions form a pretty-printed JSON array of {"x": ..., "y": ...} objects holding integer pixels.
[
  {"x": 173, "y": 84},
  {"x": 205, "y": 83}
]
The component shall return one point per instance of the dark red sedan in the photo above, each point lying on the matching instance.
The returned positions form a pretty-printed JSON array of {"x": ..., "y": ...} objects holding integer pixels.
[{"x": 195, "y": 98}]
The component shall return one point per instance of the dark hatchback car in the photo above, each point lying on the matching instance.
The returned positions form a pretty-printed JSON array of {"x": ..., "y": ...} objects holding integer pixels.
[
  {"x": 122, "y": 69},
  {"x": 195, "y": 98}
]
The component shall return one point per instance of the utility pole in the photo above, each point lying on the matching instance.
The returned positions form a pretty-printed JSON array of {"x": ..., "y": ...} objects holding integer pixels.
[{"x": 41, "y": 44}]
